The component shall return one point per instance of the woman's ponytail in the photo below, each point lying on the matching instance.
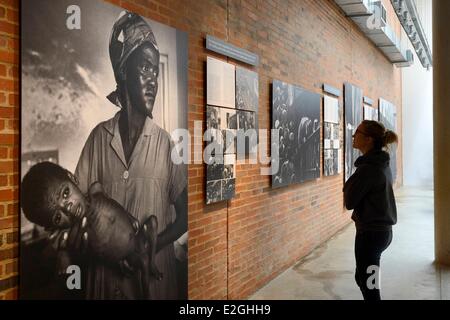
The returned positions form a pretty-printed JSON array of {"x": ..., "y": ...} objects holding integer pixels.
[
  {"x": 389, "y": 138},
  {"x": 380, "y": 135}
]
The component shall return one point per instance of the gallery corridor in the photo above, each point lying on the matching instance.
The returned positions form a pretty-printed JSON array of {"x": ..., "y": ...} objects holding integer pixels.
[{"x": 408, "y": 271}]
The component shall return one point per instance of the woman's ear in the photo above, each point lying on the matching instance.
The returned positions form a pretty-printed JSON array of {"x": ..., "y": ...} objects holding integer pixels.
[
  {"x": 371, "y": 140},
  {"x": 72, "y": 177}
]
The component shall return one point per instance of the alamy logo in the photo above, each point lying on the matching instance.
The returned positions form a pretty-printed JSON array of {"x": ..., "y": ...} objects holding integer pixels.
[
  {"x": 373, "y": 281},
  {"x": 73, "y": 21},
  {"x": 74, "y": 279}
]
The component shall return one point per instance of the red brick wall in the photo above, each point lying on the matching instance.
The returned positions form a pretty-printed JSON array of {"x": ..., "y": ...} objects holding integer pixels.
[
  {"x": 9, "y": 144},
  {"x": 234, "y": 247}
]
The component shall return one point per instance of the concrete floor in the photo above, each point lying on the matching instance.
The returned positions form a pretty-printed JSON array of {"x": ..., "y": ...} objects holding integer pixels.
[{"x": 407, "y": 268}]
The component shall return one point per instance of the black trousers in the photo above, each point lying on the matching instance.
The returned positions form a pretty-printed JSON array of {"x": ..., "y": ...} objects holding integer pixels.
[{"x": 368, "y": 248}]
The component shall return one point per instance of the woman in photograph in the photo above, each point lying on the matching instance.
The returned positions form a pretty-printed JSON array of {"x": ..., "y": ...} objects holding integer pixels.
[
  {"x": 369, "y": 193},
  {"x": 130, "y": 155}
]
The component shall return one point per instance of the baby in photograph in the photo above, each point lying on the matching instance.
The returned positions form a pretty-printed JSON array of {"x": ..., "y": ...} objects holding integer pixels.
[{"x": 51, "y": 198}]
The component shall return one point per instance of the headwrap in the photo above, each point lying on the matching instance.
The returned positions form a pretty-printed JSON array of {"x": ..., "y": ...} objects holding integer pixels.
[{"x": 129, "y": 32}]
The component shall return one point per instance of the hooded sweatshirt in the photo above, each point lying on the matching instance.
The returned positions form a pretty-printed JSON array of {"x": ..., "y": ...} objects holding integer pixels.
[{"x": 369, "y": 193}]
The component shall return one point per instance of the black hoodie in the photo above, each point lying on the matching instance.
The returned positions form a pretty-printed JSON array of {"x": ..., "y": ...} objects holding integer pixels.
[{"x": 369, "y": 192}]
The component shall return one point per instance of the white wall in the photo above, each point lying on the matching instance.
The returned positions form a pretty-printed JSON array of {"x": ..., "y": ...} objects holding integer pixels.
[
  {"x": 418, "y": 112},
  {"x": 417, "y": 126}
]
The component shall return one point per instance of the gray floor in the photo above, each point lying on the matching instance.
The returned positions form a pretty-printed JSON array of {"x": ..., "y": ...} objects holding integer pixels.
[{"x": 407, "y": 267}]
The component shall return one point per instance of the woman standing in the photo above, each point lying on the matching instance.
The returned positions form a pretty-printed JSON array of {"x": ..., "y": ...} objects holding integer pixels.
[{"x": 369, "y": 193}]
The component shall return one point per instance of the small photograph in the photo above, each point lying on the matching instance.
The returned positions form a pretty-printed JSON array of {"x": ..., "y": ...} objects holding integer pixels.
[
  {"x": 222, "y": 125},
  {"x": 367, "y": 112},
  {"x": 338, "y": 160},
  {"x": 212, "y": 117},
  {"x": 331, "y": 142},
  {"x": 336, "y": 157},
  {"x": 221, "y": 174},
  {"x": 336, "y": 144},
  {"x": 388, "y": 117},
  {"x": 328, "y": 162},
  {"x": 331, "y": 109},
  {"x": 229, "y": 141},
  {"x": 353, "y": 115},
  {"x": 229, "y": 170},
  {"x": 327, "y": 129},
  {"x": 213, "y": 191},
  {"x": 214, "y": 136},
  {"x": 370, "y": 113},
  {"x": 388, "y": 114},
  {"x": 247, "y": 93},
  {"x": 228, "y": 188},
  {"x": 214, "y": 171},
  {"x": 247, "y": 120},
  {"x": 335, "y": 132},
  {"x": 228, "y": 119},
  {"x": 376, "y": 115},
  {"x": 220, "y": 83},
  {"x": 331, "y": 162},
  {"x": 248, "y": 133},
  {"x": 214, "y": 142}
]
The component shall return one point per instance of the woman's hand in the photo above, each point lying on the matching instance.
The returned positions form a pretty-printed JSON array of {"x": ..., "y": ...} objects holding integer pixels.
[
  {"x": 176, "y": 229},
  {"x": 74, "y": 239}
]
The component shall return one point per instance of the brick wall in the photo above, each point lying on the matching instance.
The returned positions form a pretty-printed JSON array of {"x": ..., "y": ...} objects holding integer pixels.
[
  {"x": 237, "y": 246},
  {"x": 9, "y": 144}
]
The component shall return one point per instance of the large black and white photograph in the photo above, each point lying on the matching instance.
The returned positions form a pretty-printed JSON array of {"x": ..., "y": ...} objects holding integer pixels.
[
  {"x": 388, "y": 117},
  {"x": 353, "y": 115},
  {"x": 331, "y": 137},
  {"x": 220, "y": 178},
  {"x": 296, "y": 114},
  {"x": 220, "y": 83},
  {"x": 103, "y": 206}
]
